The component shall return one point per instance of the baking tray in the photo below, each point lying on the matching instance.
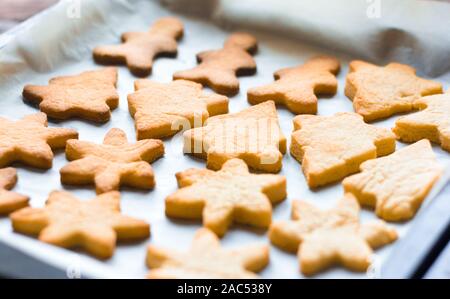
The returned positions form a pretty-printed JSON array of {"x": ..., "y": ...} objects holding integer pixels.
[{"x": 39, "y": 50}]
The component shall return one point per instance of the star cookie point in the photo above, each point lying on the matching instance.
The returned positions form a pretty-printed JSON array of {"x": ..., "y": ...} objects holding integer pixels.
[{"x": 9, "y": 200}]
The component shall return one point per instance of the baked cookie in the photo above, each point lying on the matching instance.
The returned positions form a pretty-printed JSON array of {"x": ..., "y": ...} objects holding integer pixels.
[
  {"x": 432, "y": 123},
  {"x": 252, "y": 135},
  {"x": 231, "y": 194},
  {"x": 326, "y": 238},
  {"x": 113, "y": 163},
  {"x": 10, "y": 201},
  {"x": 207, "y": 260},
  {"x": 139, "y": 49},
  {"x": 30, "y": 141},
  {"x": 68, "y": 222},
  {"x": 379, "y": 92},
  {"x": 297, "y": 87},
  {"x": 90, "y": 95},
  {"x": 332, "y": 147},
  {"x": 219, "y": 69},
  {"x": 163, "y": 109},
  {"x": 396, "y": 184}
]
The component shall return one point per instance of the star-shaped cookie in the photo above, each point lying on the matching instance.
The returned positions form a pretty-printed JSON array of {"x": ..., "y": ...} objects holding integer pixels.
[
  {"x": 113, "y": 163},
  {"x": 325, "y": 238},
  {"x": 90, "y": 95},
  {"x": 9, "y": 200},
  {"x": 231, "y": 194},
  {"x": 297, "y": 87},
  {"x": 207, "y": 260},
  {"x": 432, "y": 122},
  {"x": 396, "y": 184},
  {"x": 30, "y": 141},
  {"x": 252, "y": 135},
  {"x": 163, "y": 109},
  {"x": 93, "y": 225},
  {"x": 219, "y": 69},
  {"x": 379, "y": 92},
  {"x": 139, "y": 49},
  {"x": 332, "y": 147}
]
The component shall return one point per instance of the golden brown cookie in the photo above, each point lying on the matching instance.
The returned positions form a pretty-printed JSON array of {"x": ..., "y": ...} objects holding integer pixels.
[
  {"x": 231, "y": 194},
  {"x": 90, "y": 95},
  {"x": 219, "y": 69},
  {"x": 207, "y": 260},
  {"x": 139, "y": 49},
  {"x": 113, "y": 163},
  {"x": 163, "y": 109},
  {"x": 297, "y": 87},
  {"x": 326, "y": 238},
  {"x": 10, "y": 201},
  {"x": 432, "y": 123},
  {"x": 332, "y": 147},
  {"x": 396, "y": 184},
  {"x": 93, "y": 225},
  {"x": 379, "y": 92},
  {"x": 252, "y": 135},
  {"x": 30, "y": 141}
]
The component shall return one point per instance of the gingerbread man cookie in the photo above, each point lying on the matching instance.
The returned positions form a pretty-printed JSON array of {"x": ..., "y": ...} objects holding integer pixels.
[
  {"x": 252, "y": 135},
  {"x": 218, "y": 68},
  {"x": 432, "y": 123},
  {"x": 9, "y": 200},
  {"x": 68, "y": 222},
  {"x": 207, "y": 260},
  {"x": 163, "y": 109},
  {"x": 396, "y": 184},
  {"x": 332, "y": 147},
  {"x": 379, "y": 92},
  {"x": 113, "y": 163},
  {"x": 231, "y": 194},
  {"x": 30, "y": 141},
  {"x": 90, "y": 95},
  {"x": 325, "y": 238},
  {"x": 297, "y": 87},
  {"x": 139, "y": 49}
]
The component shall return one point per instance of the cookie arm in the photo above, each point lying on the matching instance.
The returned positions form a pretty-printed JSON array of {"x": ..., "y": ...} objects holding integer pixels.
[
  {"x": 378, "y": 234},
  {"x": 254, "y": 257}
]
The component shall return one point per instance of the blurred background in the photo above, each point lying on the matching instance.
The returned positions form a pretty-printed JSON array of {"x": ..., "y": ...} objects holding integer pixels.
[{"x": 13, "y": 12}]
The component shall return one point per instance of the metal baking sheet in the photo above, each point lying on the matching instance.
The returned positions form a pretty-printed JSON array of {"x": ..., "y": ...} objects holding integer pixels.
[{"x": 60, "y": 42}]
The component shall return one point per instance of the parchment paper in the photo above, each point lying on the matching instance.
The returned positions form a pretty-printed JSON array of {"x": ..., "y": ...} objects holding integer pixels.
[{"x": 57, "y": 42}]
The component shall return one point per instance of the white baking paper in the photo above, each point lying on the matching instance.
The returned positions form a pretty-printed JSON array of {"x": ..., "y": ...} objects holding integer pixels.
[{"x": 60, "y": 42}]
